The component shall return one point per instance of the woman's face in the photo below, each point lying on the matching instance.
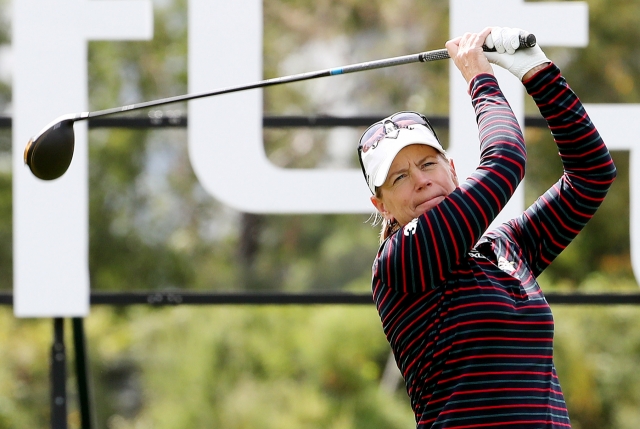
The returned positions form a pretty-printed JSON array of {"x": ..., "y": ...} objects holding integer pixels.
[{"x": 418, "y": 180}]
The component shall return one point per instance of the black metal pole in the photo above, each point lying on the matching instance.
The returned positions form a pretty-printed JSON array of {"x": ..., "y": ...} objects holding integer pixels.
[
  {"x": 58, "y": 377},
  {"x": 82, "y": 374}
]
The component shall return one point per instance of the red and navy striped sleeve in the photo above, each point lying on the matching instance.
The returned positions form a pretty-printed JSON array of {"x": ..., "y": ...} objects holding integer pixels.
[
  {"x": 422, "y": 255},
  {"x": 551, "y": 222}
]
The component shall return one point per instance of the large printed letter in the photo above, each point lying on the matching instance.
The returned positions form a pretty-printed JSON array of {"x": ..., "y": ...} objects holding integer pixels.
[
  {"x": 50, "y": 238},
  {"x": 618, "y": 124},
  {"x": 225, "y": 133}
]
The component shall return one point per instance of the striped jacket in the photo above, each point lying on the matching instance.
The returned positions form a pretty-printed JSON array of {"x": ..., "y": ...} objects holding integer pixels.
[{"x": 469, "y": 327}]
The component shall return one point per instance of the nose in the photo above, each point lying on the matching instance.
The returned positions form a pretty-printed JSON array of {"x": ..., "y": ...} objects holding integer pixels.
[{"x": 421, "y": 179}]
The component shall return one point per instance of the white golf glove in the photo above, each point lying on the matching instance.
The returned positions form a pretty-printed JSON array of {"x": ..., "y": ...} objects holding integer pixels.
[{"x": 518, "y": 61}]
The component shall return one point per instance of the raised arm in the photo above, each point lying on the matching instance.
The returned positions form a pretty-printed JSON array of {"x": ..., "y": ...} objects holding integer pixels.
[
  {"x": 551, "y": 223},
  {"x": 423, "y": 254}
]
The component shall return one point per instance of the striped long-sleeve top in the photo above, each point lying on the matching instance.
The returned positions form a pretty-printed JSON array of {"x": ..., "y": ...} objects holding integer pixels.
[{"x": 469, "y": 327}]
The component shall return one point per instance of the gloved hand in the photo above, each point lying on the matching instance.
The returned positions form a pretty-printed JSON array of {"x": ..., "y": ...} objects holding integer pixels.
[{"x": 508, "y": 56}]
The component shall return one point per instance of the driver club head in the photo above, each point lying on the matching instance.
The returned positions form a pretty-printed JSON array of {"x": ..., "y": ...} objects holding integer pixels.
[{"x": 49, "y": 153}]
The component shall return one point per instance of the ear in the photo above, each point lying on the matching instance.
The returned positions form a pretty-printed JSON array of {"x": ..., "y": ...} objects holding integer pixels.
[
  {"x": 379, "y": 205},
  {"x": 452, "y": 168}
]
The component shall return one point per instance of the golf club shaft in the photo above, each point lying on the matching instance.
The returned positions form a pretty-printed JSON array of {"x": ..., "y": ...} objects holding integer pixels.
[
  {"x": 439, "y": 54},
  {"x": 527, "y": 40}
]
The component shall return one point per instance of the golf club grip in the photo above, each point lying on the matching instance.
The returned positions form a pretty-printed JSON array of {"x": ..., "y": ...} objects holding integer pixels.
[
  {"x": 438, "y": 54},
  {"x": 527, "y": 40}
]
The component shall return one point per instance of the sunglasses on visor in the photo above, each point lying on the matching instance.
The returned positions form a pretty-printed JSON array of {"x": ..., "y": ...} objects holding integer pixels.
[
  {"x": 379, "y": 130},
  {"x": 376, "y": 132}
]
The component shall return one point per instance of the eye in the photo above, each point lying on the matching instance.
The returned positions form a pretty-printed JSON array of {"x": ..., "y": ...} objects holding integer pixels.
[
  {"x": 398, "y": 178},
  {"x": 428, "y": 164}
]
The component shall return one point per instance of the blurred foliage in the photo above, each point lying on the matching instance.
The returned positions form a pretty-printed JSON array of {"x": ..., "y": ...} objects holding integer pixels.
[
  {"x": 6, "y": 215},
  {"x": 285, "y": 367},
  {"x": 153, "y": 226},
  {"x": 5, "y": 39},
  {"x": 273, "y": 367},
  {"x": 6, "y": 232}
]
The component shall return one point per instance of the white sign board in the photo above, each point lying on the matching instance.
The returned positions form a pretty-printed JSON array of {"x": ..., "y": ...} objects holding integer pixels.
[
  {"x": 225, "y": 49},
  {"x": 50, "y": 231}
]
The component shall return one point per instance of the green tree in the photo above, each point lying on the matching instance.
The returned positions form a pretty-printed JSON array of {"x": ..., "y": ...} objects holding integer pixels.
[
  {"x": 6, "y": 222},
  {"x": 290, "y": 368},
  {"x": 5, "y": 39}
]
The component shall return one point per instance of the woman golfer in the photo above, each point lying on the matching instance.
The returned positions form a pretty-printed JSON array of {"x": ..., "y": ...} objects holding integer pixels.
[{"x": 469, "y": 326}]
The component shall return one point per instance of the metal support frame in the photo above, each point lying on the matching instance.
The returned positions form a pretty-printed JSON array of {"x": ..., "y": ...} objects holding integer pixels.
[
  {"x": 160, "y": 119},
  {"x": 58, "y": 377},
  {"x": 85, "y": 398}
]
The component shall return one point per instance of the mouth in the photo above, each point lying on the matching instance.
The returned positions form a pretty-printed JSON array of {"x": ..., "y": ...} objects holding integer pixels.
[{"x": 430, "y": 203}]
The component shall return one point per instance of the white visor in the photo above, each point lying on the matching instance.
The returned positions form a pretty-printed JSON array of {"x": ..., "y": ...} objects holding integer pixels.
[{"x": 377, "y": 159}]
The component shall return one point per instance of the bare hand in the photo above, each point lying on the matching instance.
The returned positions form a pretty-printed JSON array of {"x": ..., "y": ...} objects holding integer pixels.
[{"x": 467, "y": 54}]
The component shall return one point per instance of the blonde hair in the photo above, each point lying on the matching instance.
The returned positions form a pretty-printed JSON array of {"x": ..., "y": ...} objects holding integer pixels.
[{"x": 387, "y": 227}]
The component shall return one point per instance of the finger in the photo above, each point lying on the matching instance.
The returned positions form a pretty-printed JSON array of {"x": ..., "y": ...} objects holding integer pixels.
[
  {"x": 489, "y": 42},
  {"x": 454, "y": 41},
  {"x": 485, "y": 36},
  {"x": 475, "y": 40},
  {"x": 453, "y": 46},
  {"x": 511, "y": 41},
  {"x": 464, "y": 39},
  {"x": 515, "y": 40},
  {"x": 464, "y": 43},
  {"x": 496, "y": 33}
]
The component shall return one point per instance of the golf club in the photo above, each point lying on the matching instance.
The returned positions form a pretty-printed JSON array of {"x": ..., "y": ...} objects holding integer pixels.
[{"x": 49, "y": 153}]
